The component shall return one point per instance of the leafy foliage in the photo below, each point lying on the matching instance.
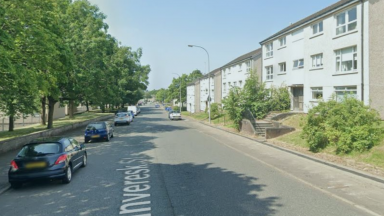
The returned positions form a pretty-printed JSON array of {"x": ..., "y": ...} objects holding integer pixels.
[
  {"x": 256, "y": 98},
  {"x": 348, "y": 125},
  {"x": 60, "y": 50},
  {"x": 215, "y": 109}
]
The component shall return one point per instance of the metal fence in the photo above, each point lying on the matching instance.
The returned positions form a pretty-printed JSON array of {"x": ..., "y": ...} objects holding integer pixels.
[{"x": 21, "y": 122}]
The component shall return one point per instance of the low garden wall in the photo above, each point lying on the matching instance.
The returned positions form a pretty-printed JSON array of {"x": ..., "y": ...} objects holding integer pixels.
[{"x": 18, "y": 142}]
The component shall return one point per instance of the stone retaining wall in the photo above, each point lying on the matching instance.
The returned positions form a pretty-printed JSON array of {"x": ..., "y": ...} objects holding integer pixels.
[{"x": 18, "y": 142}]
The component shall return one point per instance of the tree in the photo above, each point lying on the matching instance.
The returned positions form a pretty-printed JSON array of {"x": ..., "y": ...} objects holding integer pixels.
[{"x": 196, "y": 74}]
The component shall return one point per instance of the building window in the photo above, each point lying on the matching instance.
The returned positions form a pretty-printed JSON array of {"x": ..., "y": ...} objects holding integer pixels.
[
  {"x": 269, "y": 71},
  {"x": 239, "y": 66},
  {"x": 234, "y": 83},
  {"x": 269, "y": 47},
  {"x": 317, "y": 28},
  {"x": 248, "y": 66},
  {"x": 229, "y": 84},
  {"x": 224, "y": 73},
  {"x": 241, "y": 83},
  {"x": 317, "y": 93},
  {"x": 224, "y": 87},
  {"x": 346, "y": 59},
  {"x": 282, "y": 41},
  {"x": 345, "y": 91},
  {"x": 282, "y": 67},
  {"x": 298, "y": 64},
  {"x": 317, "y": 61},
  {"x": 346, "y": 21}
]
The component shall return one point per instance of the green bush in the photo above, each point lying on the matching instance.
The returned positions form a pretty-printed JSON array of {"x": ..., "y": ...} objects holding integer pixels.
[
  {"x": 234, "y": 106},
  {"x": 176, "y": 108},
  {"x": 215, "y": 109},
  {"x": 348, "y": 125},
  {"x": 279, "y": 100}
]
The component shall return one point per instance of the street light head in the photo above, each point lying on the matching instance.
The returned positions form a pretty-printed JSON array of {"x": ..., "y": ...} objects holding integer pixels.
[{"x": 190, "y": 45}]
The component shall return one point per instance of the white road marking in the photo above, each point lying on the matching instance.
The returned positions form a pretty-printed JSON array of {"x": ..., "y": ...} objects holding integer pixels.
[{"x": 135, "y": 183}]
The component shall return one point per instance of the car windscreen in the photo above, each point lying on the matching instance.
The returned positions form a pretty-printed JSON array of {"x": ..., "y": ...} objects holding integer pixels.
[
  {"x": 95, "y": 126},
  {"x": 41, "y": 149},
  {"x": 176, "y": 112},
  {"x": 121, "y": 114}
]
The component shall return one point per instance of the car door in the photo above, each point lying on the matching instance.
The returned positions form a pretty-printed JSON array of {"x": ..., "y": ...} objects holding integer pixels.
[
  {"x": 78, "y": 154},
  {"x": 69, "y": 149}
]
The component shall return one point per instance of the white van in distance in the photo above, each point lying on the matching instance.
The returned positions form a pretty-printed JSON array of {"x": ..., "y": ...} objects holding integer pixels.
[{"x": 134, "y": 109}]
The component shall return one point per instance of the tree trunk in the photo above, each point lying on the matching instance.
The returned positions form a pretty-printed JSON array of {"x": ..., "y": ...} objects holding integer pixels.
[
  {"x": 102, "y": 108},
  {"x": 51, "y": 107},
  {"x": 71, "y": 109},
  {"x": 87, "y": 105},
  {"x": 43, "y": 111},
  {"x": 11, "y": 124}
]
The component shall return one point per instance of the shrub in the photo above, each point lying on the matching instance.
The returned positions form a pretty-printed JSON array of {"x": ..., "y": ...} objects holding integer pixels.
[
  {"x": 176, "y": 108},
  {"x": 280, "y": 99},
  {"x": 234, "y": 106},
  {"x": 215, "y": 109},
  {"x": 348, "y": 125}
]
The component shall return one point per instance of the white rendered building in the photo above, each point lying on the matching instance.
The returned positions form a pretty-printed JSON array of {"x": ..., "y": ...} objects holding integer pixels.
[
  {"x": 321, "y": 56},
  {"x": 237, "y": 71}
]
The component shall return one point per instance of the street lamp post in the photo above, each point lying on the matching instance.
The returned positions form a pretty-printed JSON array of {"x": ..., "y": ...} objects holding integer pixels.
[
  {"x": 209, "y": 84},
  {"x": 181, "y": 103}
]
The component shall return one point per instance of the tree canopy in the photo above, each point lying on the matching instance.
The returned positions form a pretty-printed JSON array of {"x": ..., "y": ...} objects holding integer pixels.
[{"x": 60, "y": 50}]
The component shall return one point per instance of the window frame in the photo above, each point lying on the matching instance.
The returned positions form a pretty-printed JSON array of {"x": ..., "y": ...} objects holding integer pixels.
[
  {"x": 285, "y": 67},
  {"x": 347, "y": 22},
  {"x": 269, "y": 73},
  {"x": 248, "y": 64},
  {"x": 317, "y": 90},
  {"x": 345, "y": 89},
  {"x": 321, "y": 60},
  {"x": 298, "y": 65},
  {"x": 317, "y": 27},
  {"x": 339, "y": 59},
  {"x": 283, "y": 39},
  {"x": 269, "y": 50}
]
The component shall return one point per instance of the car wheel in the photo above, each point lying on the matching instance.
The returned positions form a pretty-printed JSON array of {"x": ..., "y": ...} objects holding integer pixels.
[
  {"x": 115, "y": 124},
  {"x": 16, "y": 185},
  {"x": 112, "y": 135},
  {"x": 129, "y": 123},
  {"x": 85, "y": 160},
  {"x": 86, "y": 140},
  {"x": 108, "y": 138},
  {"x": 68, "y": 175}
]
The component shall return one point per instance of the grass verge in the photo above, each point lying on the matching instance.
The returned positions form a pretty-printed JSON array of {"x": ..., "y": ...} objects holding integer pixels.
[
  {"x": 374, "y": 157},
  {"x": 56, "y": 123}
]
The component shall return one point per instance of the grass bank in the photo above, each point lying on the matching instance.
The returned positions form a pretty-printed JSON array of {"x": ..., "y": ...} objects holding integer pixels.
[
  {"x": 220, "y": 120},
  {"x": 374, "y": 156},
  {"x": 56, "y": 123}
]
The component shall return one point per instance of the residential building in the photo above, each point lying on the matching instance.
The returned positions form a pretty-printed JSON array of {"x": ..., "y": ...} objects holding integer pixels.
[
  {"x": 207, "y": 84},
  {"x": 376, "y": 54},
  {"x": 191, "y": 97},
  {"x": 238, "y": 70},
  {"x": 218, "y": 87},
  {"x": 324, "y": 55}
]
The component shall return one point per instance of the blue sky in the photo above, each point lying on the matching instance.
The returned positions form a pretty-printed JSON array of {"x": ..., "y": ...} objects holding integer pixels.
[{"x": 226, "y": 28}]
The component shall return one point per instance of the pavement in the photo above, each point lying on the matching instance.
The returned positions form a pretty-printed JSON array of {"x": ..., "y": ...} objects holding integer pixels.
[{"x": 160, "y": 167}]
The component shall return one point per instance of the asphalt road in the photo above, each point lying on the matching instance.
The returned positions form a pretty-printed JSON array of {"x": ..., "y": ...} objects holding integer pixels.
[{"x": 160, "y": 167}]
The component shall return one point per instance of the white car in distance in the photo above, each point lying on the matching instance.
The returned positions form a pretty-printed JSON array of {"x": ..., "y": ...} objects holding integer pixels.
[
  {"x": 175, "y": 115},
  {"x": 123, "y": 118}
]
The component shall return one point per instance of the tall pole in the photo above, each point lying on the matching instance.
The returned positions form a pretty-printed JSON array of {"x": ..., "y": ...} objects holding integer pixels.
[
  {"x": 181, "y": 103},
  {"x": 209, "y": 84}
]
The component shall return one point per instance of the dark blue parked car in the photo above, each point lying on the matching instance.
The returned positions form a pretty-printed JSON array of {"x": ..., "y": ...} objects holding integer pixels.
[
  {"x": 98, "y": 131},
  {"x": 47, "y": 158}
]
